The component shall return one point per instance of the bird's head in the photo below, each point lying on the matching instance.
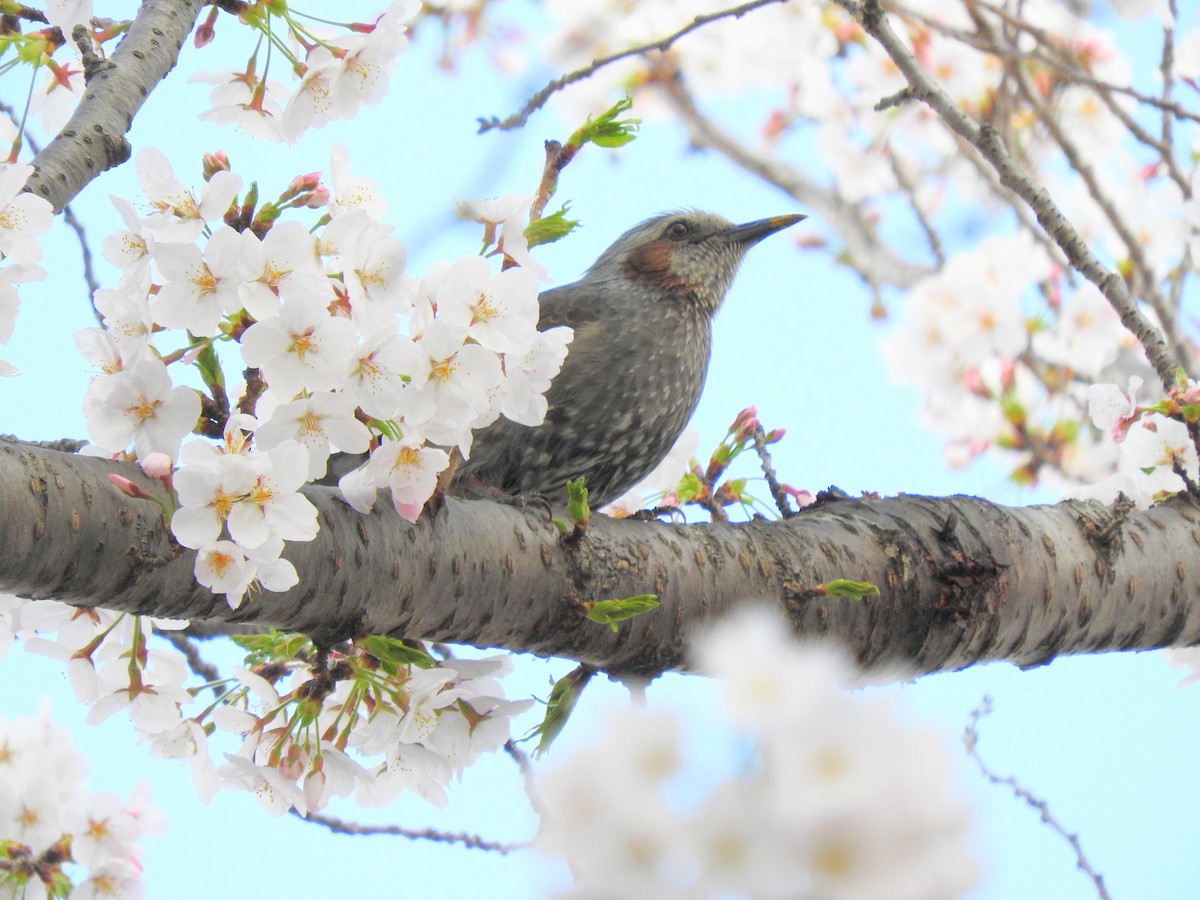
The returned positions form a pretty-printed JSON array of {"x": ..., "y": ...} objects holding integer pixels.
[{"x": 689, "y": 255}]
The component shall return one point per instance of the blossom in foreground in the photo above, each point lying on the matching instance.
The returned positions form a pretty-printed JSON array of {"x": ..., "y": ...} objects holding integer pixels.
[
  {"x": 45, "y": 804},
  {"x": 838, "y": 799}
]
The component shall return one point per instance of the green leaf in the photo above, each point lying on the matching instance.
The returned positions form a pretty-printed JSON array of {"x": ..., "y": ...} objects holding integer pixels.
[
  {"x": 606, "y": 130},
  {"x": 563, "y": 697},
  {"x": 395, "y": 651},
  {"x": 273, "y": 646},
  {"x": 577, "y": 502},
  {"x": 689, "y": 487},
  {"x": 549, "y": 229},
  {"x": 843, "y": 587},
  {"x": 610, "y": 612},
  {"x": 210, "y": 366}
]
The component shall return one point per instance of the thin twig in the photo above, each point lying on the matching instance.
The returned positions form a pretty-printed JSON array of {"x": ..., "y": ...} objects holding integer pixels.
[
  {"x": 470, "y": 841},
  {"x": 538, "y": 100},
  {"x": 872, "y": 259},
  {"x": 85, "y": 248},
  {"x": 778, "y": 494},
  {"x": 971, "y": 742},
  {"x": 197, "y": 663},
  {"x": 1065, "y": 66},
  {"x": 1168, "y": 321},
  {"x": 1166, "y": 68},
  {"x": 910, "y": 191}
]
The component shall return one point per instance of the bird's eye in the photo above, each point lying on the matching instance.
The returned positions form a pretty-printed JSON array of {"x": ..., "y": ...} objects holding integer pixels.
[{"x": 677, "y": 231}]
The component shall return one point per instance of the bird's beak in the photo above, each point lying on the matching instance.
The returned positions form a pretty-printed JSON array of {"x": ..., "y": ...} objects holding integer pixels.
[{"x": 753, "y": 232}]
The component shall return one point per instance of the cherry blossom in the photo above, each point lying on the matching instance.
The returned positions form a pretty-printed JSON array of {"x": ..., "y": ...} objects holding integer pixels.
[
  {"x": 139, "y": 406},
  {"x": 177, "y": 215},
  {"x": 322, "y": 423},
  {"x": 23, "y": 216},
  {"x": 199, "y": 287},
  {"x": 303, "y": 348},
  {"x": 500, "y": 312}
]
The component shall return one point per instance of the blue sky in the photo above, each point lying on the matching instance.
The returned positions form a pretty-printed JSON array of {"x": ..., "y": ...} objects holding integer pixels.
[{"x": 1107, "y": 740}]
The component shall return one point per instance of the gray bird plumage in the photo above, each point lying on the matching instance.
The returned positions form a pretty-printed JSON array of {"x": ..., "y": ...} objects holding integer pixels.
[{"x": 642, "y": 316}]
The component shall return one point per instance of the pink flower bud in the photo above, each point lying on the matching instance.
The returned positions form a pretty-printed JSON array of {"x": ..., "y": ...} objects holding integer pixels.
[
  {"x": 746, "y": 414},
  {"x": 125, "y": 486},
  {"x": 973, "y": 381},
  {"x": 214, "y": 163},
  {"x": 157, "y": 465},
  {"x": 409, "y": 511},
  {"x": 803, "y": 498},
  {"x": 317, "y": 198}
]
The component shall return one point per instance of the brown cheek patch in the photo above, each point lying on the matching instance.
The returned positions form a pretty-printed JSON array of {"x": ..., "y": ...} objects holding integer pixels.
[{"x": 652, "y": 263}]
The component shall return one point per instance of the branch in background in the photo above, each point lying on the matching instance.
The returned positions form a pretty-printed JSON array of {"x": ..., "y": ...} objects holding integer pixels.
[
  {"x": 921, "y": 87},
  {"x": 521, "y": 758},
  {"x": 85, "y": 248},
  {"x": 971, "y": 742},
  {"x": 871, "y": 258},
  {"x": 1168, "y": 321},
  {"x": 197, "y": 663},
  {"x": 538, "y": 100},
  {"x": 470, "y": 841}
]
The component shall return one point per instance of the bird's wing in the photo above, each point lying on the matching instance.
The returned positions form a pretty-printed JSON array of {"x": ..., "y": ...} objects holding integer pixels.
[{"x": 568, "y": 305}]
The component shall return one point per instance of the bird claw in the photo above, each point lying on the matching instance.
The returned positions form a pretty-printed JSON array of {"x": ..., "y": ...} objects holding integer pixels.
[
  {"x": 652, "y": 515},
  {"x": 525, "y": 502},
  {"x": 474, "y": 489}
]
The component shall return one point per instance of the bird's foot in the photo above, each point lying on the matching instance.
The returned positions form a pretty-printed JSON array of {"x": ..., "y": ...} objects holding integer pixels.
[{"x": 673, "y": 513}]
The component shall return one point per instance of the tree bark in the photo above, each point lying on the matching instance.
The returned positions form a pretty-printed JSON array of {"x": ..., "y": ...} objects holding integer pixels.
[
  {"x": 961, "y": 580},
  {"x": 93, "y": 140}
]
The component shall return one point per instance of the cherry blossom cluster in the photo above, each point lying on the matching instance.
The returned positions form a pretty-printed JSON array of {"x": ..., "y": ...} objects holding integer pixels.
[
  {"x": 295, "y": 727},
  {"x": 833, "y": 795},
  {"x": 334, "y": 70},
  {"x": 338, "y": 70},
  {"x": 1157, "y": 450},
  {"x": 56, "y": 836},
  {"x": 1000, "y": 336},
  {"x": 368, "y": 726},
  {"x": 344, "y": 354}
]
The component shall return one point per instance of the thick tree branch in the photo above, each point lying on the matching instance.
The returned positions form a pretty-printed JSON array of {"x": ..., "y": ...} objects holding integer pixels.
[
  {"x": 961, "y": 580},
  {"x": 93, "y": 140}
]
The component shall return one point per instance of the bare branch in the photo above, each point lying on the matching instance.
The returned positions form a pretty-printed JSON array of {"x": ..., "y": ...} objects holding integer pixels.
[
  {"x": 470, "y": 841},
  {"x": 538, "y": 100},
  {"x": 197, "y": 663},
  {"x": 85, "y": 247},
  {"x": 1168, "y": 320},
  {"x": 971, "y": 742},
  {"x": 778, "y": 494}
]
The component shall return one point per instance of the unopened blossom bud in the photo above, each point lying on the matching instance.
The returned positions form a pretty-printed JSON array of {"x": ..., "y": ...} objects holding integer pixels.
[
  {"x": 214, "y": 163},
  {"x": 127, "y": 487},
  {"x": 157, "y": 465}
]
